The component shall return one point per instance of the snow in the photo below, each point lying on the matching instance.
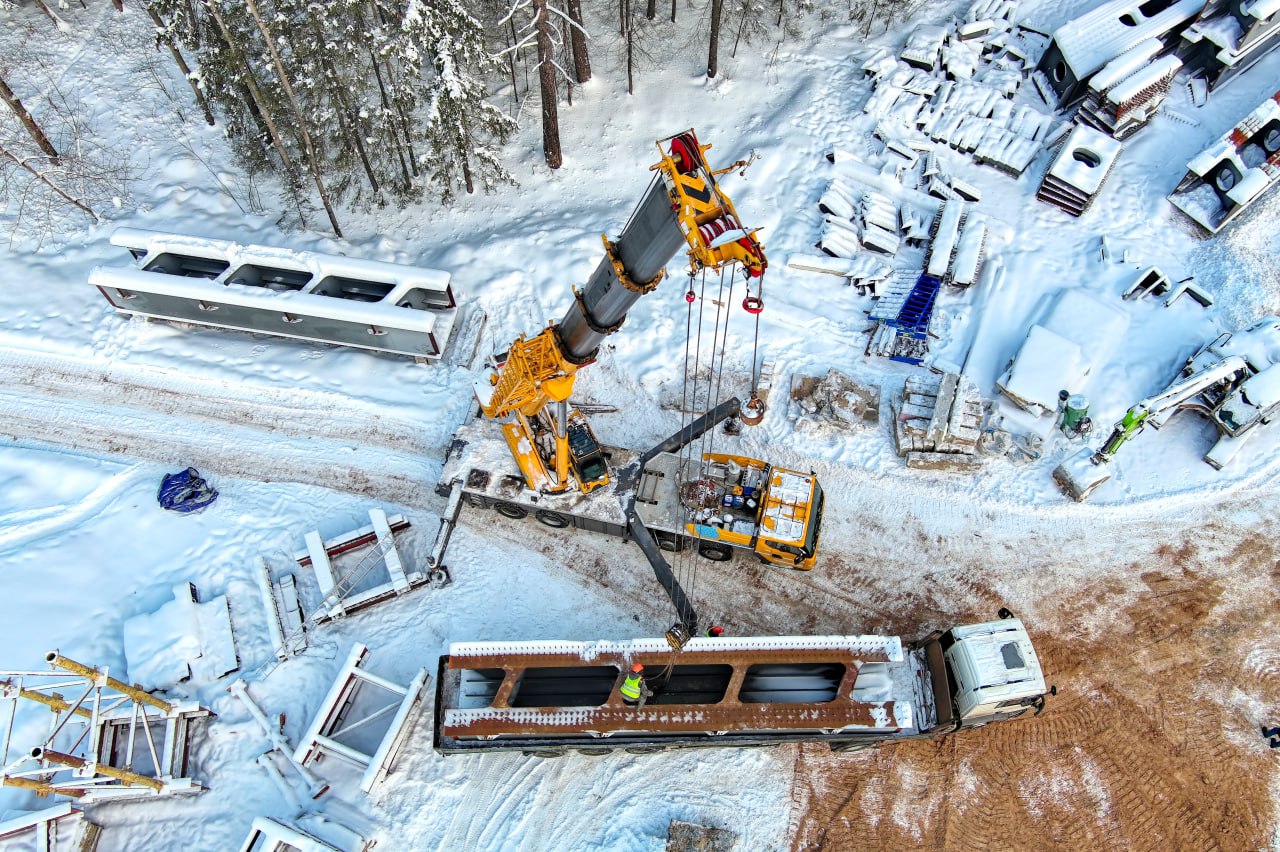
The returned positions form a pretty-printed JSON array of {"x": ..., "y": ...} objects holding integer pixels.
[{"x": 299, "y": 436}]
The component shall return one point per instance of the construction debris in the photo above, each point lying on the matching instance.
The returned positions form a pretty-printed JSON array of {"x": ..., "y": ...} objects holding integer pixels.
[
  {"x": 279, "y": 742},
  {"x": 1076, "y": 175},
  {"x": 60, "y": 827},
  {"x": 350, "y": 591},
  {"x": 1150, "y": 281},
  {"x": 183, "y": 640},
  {"x": 834, "y": 398},
  {"x": 342, "y": 729},
  {"x": 937, "y": 422},
  {"x": 690, "y": 837}
]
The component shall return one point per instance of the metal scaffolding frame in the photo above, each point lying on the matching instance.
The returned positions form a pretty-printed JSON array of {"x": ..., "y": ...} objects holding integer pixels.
[{"x": 107, "y": 740}]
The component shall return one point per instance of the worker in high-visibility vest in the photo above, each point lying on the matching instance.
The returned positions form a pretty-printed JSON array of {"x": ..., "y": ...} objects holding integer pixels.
[
  {"x": 715, "y": 631},
  {"x": 633, "y": 688}
]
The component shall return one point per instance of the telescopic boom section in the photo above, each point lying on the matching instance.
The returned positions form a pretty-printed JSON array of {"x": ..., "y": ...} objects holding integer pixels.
[{"x": 683, "y": 205}]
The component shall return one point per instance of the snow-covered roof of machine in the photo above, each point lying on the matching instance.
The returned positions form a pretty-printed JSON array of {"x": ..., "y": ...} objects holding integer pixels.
[
  {"x": 1095, "y": 38},
  {"x": 1260, "y": 9}
]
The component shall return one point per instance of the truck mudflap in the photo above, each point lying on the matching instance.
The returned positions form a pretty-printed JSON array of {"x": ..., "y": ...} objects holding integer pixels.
[{"x": 939, "y": 684}]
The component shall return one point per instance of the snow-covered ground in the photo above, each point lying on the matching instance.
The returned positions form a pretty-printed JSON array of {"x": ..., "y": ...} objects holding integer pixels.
[{"x": 300, "y": 437}]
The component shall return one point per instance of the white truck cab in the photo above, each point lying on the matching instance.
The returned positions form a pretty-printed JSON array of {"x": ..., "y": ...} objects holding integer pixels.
[{"x": 994, "y": 671}]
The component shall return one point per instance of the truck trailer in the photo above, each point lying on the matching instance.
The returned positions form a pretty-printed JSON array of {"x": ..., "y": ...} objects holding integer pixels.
[{"x": 549, "y": 697}]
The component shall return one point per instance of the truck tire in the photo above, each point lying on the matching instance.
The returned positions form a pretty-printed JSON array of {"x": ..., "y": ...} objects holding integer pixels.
[
  {"x": 511, "y": 510},
  {"x": 543, "y": 752},
  {"x": 551, "y": 519},
  {"x": 670, "y": 543},
  {"x": 714, "y": 552}
]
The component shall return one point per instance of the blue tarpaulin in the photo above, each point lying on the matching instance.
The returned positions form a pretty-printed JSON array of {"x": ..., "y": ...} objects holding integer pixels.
[{"x": 186, "y": 491}]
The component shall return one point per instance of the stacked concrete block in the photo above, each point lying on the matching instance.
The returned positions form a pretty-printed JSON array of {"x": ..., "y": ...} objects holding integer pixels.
[{"x": 937, "y": 422}]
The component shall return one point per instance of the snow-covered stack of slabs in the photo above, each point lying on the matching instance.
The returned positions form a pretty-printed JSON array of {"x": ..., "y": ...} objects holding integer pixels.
[
  {"x": 1076, "y": 175},
  {"x": 837, "y": 200},
  {"x": 879, "y": 222},
  {"x": 923, "y": 46},
  {"x": 1129, "y": 89},
  {"x": 938, "y": 421},
  {"x": 839, "y": 237}
]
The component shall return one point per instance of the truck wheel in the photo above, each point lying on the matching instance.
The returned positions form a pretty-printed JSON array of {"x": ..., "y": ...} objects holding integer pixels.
[
  {"x": 671, "y": 543},
  {"x": 511, "y": 510},
  {"x": 551, "y": 519},
  {"x": 845, "y": 748},
  {"x": 715, "y": 552},
  {"x": 543, "y": 752}
]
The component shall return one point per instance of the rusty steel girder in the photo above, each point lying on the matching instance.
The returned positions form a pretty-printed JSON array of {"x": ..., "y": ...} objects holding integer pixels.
[{"x": 714, "y": 686}]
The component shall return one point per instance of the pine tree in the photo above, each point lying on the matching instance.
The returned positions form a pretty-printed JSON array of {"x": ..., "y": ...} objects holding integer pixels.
[{"x": 460, "y": 122}]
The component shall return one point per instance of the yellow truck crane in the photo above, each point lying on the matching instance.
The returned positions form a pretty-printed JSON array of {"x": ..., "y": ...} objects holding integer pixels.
[
  {"x": 529, "y": 387},
  {"x": 663, "y": 499}
]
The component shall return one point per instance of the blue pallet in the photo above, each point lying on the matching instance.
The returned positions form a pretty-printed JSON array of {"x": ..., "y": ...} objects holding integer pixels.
[{"x": 913, "y": 316}]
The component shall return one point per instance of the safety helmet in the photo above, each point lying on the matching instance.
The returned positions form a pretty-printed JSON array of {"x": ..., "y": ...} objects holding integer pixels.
[{"x": 637, "y": 668}]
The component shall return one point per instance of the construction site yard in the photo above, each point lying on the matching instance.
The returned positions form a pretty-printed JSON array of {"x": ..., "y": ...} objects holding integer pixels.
[{"x": 1154, "y": 606}]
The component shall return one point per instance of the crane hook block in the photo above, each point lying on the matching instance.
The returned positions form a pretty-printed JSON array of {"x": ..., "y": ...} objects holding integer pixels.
[
  {"x": 753, "y": 304},
  {"x": 690, "y": 297}
]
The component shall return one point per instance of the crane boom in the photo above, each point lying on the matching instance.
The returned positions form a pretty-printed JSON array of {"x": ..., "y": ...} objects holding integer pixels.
[{"x": 683, "y": 205}]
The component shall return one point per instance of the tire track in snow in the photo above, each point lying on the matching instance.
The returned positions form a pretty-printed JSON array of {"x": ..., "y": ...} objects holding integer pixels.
[
  {"x": 267, "y": 435},
  {"x": 19, "y": 529}
]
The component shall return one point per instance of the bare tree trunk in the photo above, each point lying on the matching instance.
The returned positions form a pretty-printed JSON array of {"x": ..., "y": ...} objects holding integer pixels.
[
  {"x": 406, "y": 126},
  {"x": 631, "y": 82},
  {"x": 33, "y": 129},
  {"x": 251, "y": 83},
  {"x": 547, "y": 83},
  {"x": 782, "y": 8},
  {"x": 651, "y": 9},
  {"x": 348, "y": 125},
  {"x": 622, "y": 17},
  {"x": 578, "y": 38},
  {"x": 464, "y": 150},
  {"x": 395, "y": 137},
  {"x": 45, "y": 180},
  {"x": 673, "y": 10},
  {"x": 182, "y": 66},
  {"x": 313, "y": 163},
  {"x": 713, "y": 51},
  {"x": 742, "y": 22},
  {"x": 57, "y": 22},
  {"x": 565, "y": 26},
  {"x": 514, "y": 41},
  {"x": 119, "y": 4},
  {"x": 511, "y": 63}
]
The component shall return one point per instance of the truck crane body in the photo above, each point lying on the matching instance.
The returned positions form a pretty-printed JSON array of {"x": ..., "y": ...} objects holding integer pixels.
[
  {"x": 548, "y": 462},
  {"x": 1234, "y": 381}
]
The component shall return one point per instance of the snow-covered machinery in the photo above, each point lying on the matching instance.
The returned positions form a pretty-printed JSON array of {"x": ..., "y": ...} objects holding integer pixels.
[
  {"x": 1234, "y": 172},
  {"x": 1234, "y": 381},
  {"x": 852, "y": 692}
]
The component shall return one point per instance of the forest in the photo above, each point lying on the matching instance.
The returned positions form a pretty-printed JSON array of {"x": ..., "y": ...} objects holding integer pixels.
[{"x": 350, "y": 104}]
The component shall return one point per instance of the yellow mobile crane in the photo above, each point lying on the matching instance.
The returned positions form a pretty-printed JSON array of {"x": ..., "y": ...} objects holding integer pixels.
[
  {"x": 716, "y": 504},
  {"x": 529, "y": 389}
]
